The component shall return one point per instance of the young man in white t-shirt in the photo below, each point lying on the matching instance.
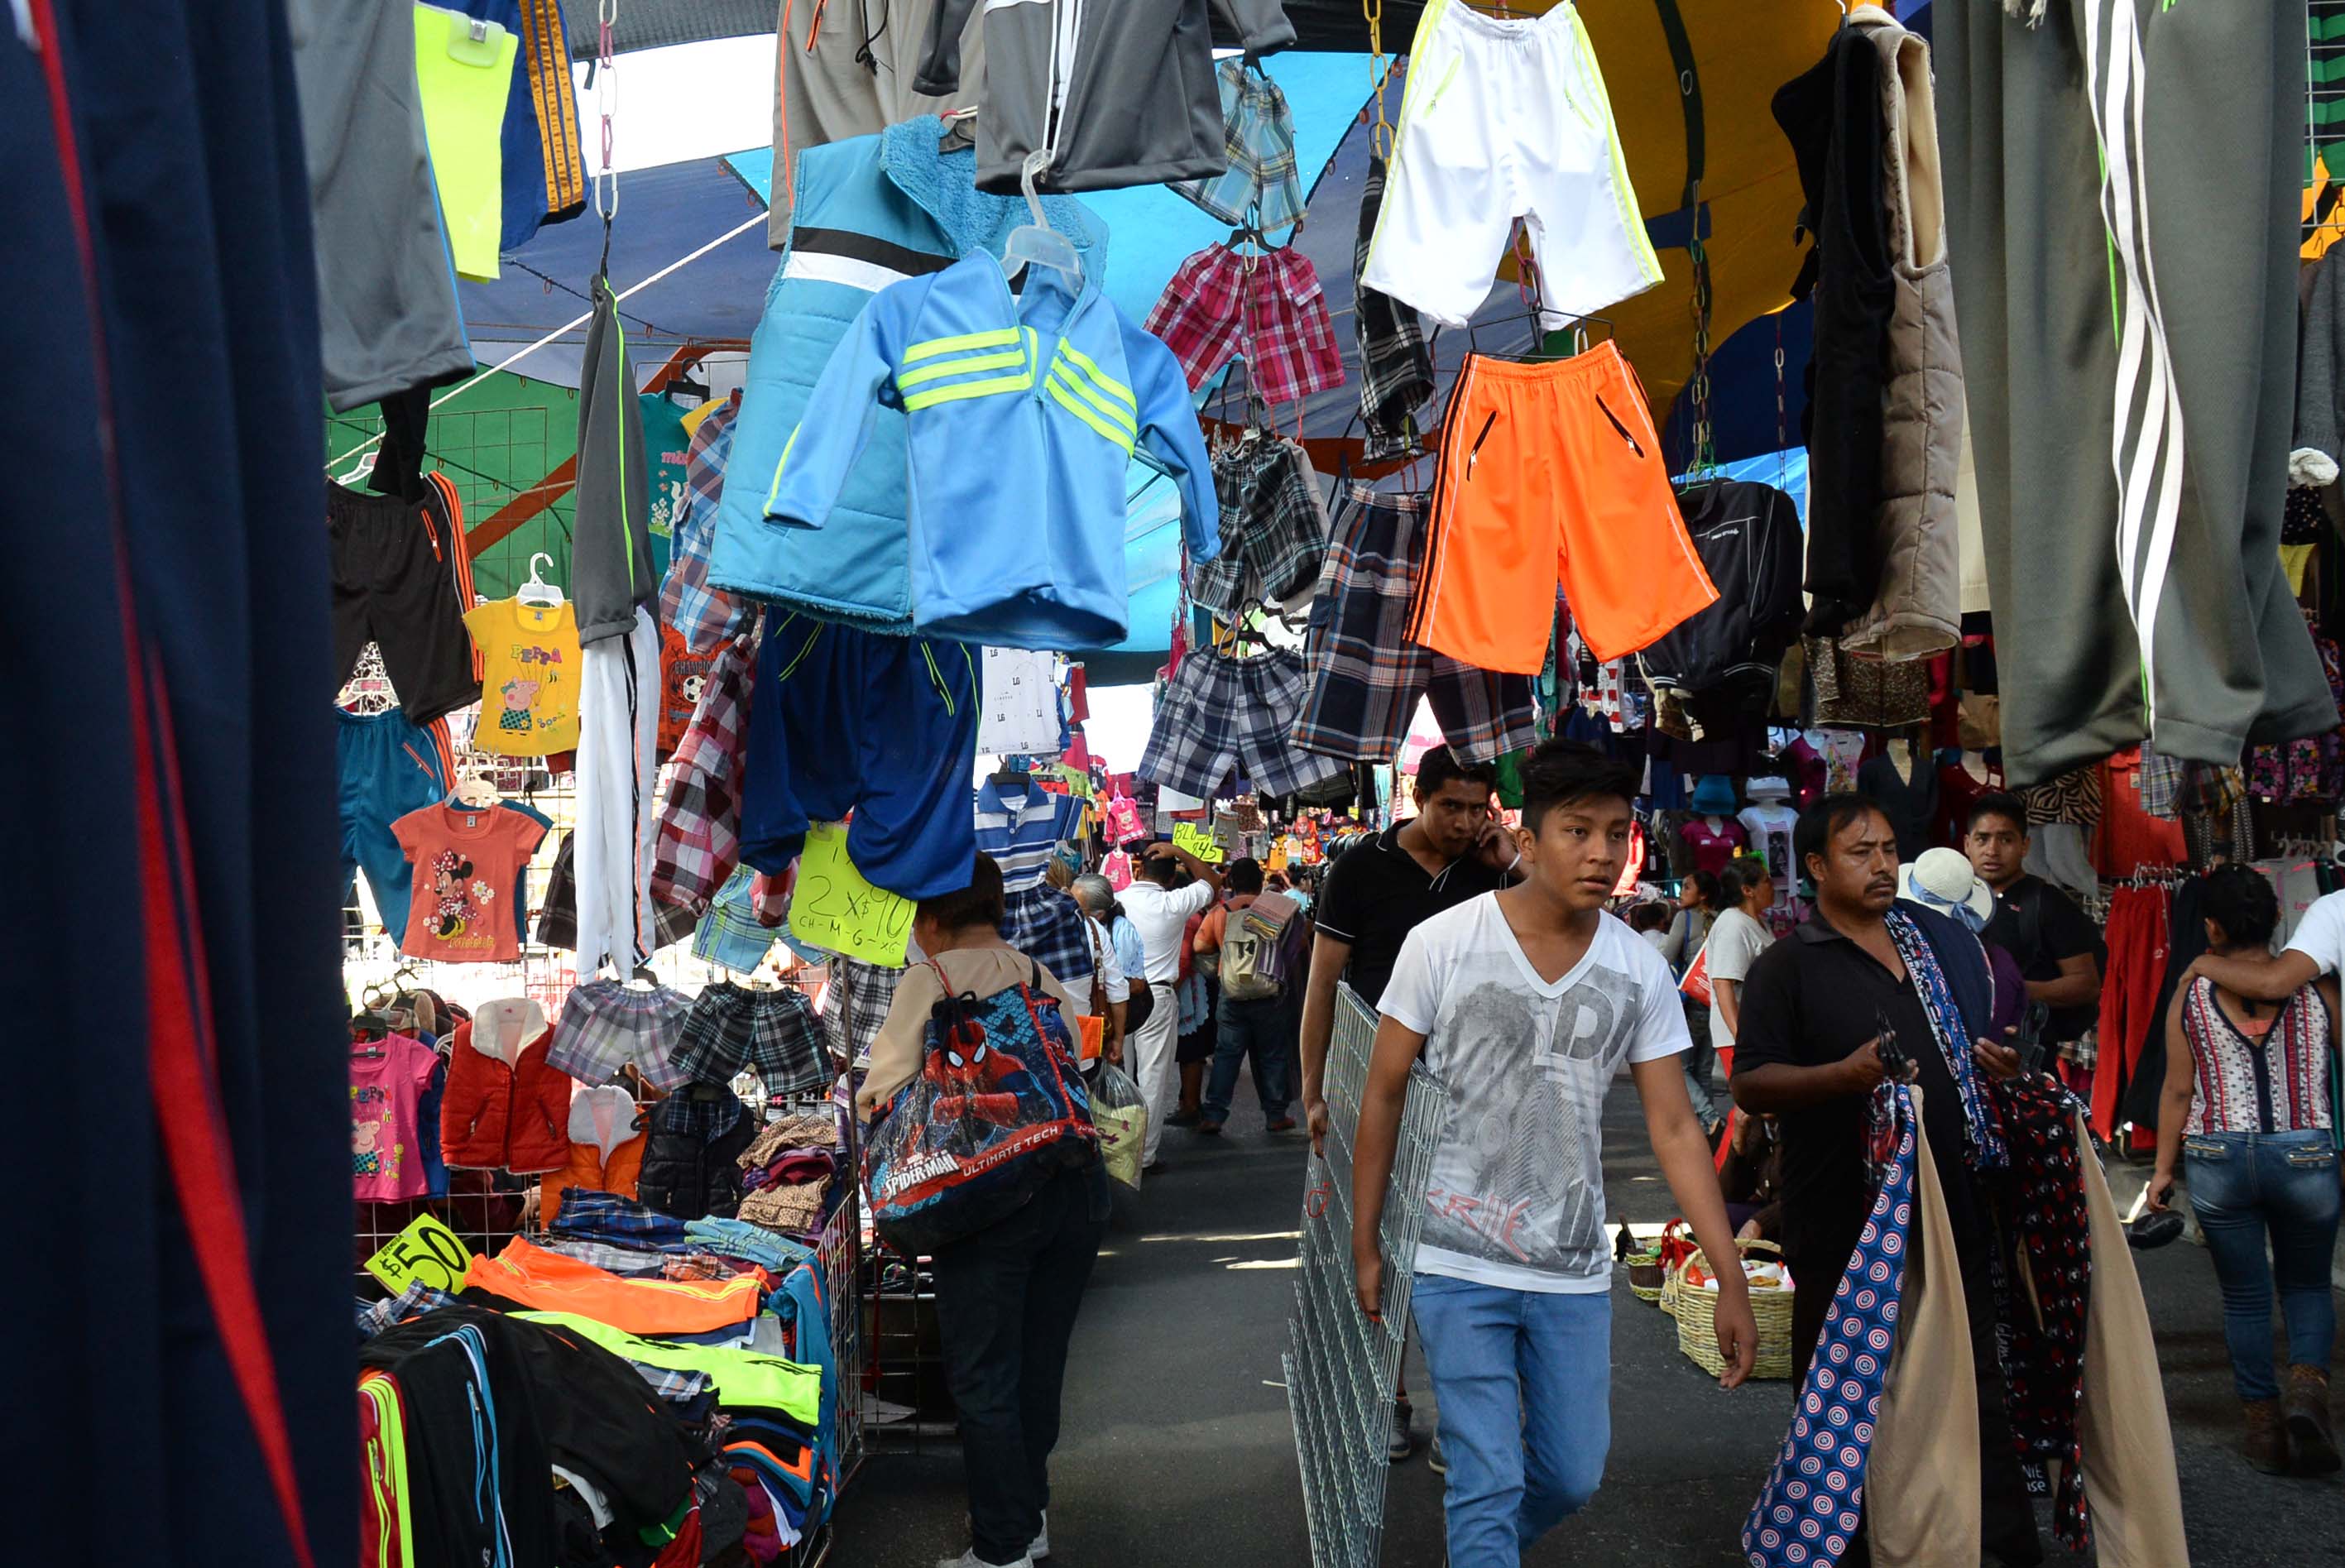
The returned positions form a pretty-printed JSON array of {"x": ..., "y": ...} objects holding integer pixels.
[{"x": 1525, "y": 1003}]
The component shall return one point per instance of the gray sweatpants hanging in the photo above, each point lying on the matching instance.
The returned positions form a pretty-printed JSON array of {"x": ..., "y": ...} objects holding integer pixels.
[{"x": 2129, "y": 346}]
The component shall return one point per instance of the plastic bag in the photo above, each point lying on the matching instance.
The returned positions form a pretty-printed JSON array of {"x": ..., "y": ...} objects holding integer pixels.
[{"x": 1120, "y": 1112}]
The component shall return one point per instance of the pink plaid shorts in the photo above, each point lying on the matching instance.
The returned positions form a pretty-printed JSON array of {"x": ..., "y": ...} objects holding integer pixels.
[{"x": 1268, "y": 306}]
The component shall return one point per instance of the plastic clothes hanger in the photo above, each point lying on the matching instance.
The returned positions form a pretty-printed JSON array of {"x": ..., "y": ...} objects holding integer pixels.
[
  {"x": 1037, "y": 241},
  {"x": 537, "y": 591},
  {"x": 472, "y": 789}
]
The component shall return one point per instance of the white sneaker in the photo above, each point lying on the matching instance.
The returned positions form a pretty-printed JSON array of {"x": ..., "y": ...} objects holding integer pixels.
[
  {"x": 1041, "y": 1547},
  {"x": 970, "y": 1558}
]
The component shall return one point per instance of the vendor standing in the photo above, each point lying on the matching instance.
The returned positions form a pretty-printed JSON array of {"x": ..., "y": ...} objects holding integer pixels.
[{"x": 1807, "y": 1052}]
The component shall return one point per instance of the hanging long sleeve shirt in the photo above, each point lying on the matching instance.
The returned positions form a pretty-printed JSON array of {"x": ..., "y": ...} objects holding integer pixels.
[{"x": 1025, "y": 412}]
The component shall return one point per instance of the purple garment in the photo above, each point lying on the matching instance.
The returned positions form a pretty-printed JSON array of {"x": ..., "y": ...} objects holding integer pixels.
[{"x": 2010, "y": 989}]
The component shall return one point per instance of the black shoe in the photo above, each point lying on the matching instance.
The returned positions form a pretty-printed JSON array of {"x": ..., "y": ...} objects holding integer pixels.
[{"x": 1183, "y": 1118}]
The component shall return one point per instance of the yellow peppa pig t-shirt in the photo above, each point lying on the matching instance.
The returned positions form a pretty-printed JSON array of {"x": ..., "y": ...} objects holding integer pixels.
[{"x": 529, "y": 677}]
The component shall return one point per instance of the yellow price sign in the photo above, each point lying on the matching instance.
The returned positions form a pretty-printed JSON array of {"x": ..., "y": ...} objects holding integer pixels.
[
  {"x": 1198, "y": 842},
  {"x": 426, "y": 1250},
  {"x": 836, "y": 908}
]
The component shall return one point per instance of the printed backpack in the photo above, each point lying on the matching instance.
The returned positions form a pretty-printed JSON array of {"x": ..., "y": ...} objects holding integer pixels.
[
  {"x": 1245, "y": 954},
  {"x": 997, "y": 1109}
]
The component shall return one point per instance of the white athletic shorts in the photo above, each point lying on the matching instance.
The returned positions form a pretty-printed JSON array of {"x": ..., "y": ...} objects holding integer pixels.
[{"x": 1502, "y": 120}]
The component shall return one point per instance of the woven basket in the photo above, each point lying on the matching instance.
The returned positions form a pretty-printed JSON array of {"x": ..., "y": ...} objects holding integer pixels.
[
  {"x": 1647, "y": 1276},
  {"x": 1697, "y": 1314}
]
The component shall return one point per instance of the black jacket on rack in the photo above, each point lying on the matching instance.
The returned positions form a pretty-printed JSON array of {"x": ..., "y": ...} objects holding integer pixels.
[
  {"x": 1832, "y": 115},
  {"x": 1749, "y": 539}
]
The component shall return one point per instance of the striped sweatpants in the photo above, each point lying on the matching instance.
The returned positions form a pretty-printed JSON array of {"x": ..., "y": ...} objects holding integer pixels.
[{"x": 2122, "y": 181}]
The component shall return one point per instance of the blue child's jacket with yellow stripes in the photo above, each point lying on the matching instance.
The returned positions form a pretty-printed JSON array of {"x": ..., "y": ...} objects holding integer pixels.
[{"x": 1024, "y": 410}]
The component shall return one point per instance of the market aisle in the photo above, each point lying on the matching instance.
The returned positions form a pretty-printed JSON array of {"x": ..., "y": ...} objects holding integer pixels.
[{"x": 1177, "y": 1451}]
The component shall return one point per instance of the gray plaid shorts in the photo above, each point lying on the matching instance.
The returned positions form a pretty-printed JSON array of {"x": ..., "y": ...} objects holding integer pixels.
[
  {"x": 772, "y": 1033},
  {"x": 607, "y": 1023},
  {"x": 1225, "y": 719}
]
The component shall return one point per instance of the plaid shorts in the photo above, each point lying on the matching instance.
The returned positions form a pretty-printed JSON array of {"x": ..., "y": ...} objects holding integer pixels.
[
  {"x": 769, "y": 1032},
  {"x": 1048, "y": 926},
  {"x": 1273, "y": 528},
  {"x": 731, "y": 935},
  {"x": 1222, "y": 719},
  {"x": 1258, "y": 132},
  {"x": 1366, "y": 676},
  {"x": 1395, "y": 365},
  {"x": 606, "y": 1024},
  {"x": 855, "y": 1004},
  {"x": 1269, "y": 307}
]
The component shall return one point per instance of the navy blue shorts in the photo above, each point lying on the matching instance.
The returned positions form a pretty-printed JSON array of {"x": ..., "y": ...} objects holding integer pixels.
[{"x": 844, "y": 720}]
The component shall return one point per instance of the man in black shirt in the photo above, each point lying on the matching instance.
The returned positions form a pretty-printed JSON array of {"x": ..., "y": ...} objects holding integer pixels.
[
  {"x": 2053, "y": 943},
  {"x": 1807, "y": 1051},
  {"x": 1373, "y": 895}
]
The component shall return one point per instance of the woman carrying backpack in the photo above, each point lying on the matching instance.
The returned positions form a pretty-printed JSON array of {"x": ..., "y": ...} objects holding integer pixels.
[{"x": 1007, "y": 1293}]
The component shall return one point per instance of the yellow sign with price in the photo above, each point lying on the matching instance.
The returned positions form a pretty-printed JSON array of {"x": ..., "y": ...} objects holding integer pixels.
[
  {"x": 835, "y": 907},
  {"x": 426, "y": 1250},
  {"x": 1198, "y": 842}
]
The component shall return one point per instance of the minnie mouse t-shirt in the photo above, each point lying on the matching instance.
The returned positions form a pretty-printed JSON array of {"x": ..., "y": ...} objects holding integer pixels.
[{"x": 468, "y": 862}]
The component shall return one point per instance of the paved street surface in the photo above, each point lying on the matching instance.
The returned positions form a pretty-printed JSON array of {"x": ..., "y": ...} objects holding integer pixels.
[{"x": 1177, "y": 1451}]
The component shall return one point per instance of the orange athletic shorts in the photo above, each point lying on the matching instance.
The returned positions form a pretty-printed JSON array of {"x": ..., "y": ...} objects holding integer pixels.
[{"x": 1551, "y": 470}]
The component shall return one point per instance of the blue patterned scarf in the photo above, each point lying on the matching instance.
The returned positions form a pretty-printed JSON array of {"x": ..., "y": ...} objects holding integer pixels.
[
  {"x": 1983, "y": 1144},
  {"x": 1810, "y": 1509}
]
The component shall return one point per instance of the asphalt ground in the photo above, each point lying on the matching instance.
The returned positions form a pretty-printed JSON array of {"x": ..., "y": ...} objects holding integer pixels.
[{"x": 1176, "y": 1447}]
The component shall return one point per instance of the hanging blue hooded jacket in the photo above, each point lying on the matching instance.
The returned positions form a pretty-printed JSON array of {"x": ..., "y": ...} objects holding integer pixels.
[
  {"x": 1024, "y": 410},
  {"x": 871, "y": 210}
]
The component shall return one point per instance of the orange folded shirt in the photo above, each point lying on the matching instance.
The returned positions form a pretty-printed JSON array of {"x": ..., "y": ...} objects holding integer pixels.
[{"x": 552, "y": 1283}]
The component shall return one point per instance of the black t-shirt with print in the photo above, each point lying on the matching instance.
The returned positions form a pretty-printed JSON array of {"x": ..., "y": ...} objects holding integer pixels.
[
  {"x": 1375, "y": 894},
  {"x": 2040, "y": 926}
]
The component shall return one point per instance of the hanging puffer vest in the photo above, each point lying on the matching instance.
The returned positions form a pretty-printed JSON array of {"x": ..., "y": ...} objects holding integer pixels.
[
  {"x": 1918, "y": 611},
  {"x": 869, "y": 211}
]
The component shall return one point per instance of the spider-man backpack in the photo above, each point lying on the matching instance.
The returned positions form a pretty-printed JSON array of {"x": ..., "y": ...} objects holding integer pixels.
[{"x": 997, "y": 1109}]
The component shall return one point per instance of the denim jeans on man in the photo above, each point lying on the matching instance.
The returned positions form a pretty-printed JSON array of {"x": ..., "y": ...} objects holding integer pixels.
[
  {"x": 1263, "y": 1032},
  {"x": 2242, "y": 1184},
  {"x": 1524, "y": 1379},
  {"x": 1006, "y": 1304}
]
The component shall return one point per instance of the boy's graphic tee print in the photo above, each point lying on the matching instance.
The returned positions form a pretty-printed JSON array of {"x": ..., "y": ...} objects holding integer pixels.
[
  {"x": 1515, "y": 1198},
  {"x": 468, "y": 862},
  {"x": 529, "y": 677},
  {"x": 386, "y": 1158}
]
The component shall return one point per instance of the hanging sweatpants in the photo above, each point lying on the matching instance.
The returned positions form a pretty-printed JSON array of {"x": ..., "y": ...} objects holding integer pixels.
[
  {"x": 2129, "y": 347},
  {"x": 618, "y": 731}
]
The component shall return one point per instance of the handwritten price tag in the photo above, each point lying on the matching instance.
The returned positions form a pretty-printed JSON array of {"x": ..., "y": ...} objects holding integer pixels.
[
  {"x": 426, "y": 1250},
  {"x": 1197, "y": 841},
  {"x": 834, "y": 906}
]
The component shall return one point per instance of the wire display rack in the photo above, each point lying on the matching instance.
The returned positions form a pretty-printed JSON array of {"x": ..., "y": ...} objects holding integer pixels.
[{"x": 1341, "y": 1367}]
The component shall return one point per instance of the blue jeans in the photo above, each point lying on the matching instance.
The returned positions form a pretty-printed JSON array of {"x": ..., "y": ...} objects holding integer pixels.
[
  {"x": 1524, "y": 1379},
  {"x": 1701, "y": 1063},
  {"x": 1264, "y": 1031},
  {"x": 2242, "y": 1184}
]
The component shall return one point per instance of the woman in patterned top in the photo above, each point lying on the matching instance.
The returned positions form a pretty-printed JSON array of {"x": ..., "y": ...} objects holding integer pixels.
[{"x": 2247, "y": 1112}]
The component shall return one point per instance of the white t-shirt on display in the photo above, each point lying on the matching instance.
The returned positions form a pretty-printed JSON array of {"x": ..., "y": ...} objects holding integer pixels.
[
  {"x": 1515, "y": 1198},
  {"x": 2320, "y": 935},
  {"x": 1160, "y": 915},
  {"x": 1735, "y": 940}
]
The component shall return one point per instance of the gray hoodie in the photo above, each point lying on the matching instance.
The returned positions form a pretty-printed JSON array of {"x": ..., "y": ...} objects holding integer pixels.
[{"x": 1121, "y": 91}]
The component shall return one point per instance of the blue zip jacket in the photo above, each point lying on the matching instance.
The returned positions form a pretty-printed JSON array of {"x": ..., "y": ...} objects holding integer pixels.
[
  {"x": 1023, "y": 412},
  {"x": 870, "y": 211}
]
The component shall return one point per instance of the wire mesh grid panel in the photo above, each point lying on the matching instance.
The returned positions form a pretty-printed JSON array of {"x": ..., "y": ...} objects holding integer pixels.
[{"x": 1341, "y": 1367}]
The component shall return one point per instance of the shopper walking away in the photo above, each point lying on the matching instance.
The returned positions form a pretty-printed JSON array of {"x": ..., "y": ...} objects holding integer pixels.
[
  {"x": 1808, "y": 1051},
  {"x": 1525, "y": 1003},
  {"x": 1159, "y": 905},
  {"x": 1199, "y": 992},
  {"x": 1372, "y": 897},
  {"x": 1006, "y": 1297},
  {"x": 2247, "y": 1118},
  {"x": 1255, "y": 1016},
  {"x": 1736, "y": 941}
]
